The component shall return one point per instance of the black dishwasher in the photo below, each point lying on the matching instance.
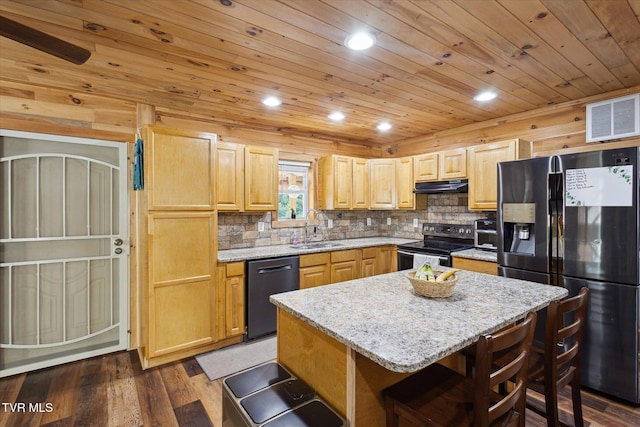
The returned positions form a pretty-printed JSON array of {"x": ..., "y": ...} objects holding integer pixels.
[{"x": 266, "y": 277}]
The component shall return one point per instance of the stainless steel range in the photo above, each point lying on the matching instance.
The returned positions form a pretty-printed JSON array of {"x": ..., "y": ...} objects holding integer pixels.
[{"x": 440, "y": 240}]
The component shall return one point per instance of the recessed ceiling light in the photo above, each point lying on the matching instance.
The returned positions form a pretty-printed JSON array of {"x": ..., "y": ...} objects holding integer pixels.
[
  {"x": 384, "y": 126},
  {"x": 336, "y": 116},
  {"x": 271, "y": 101},
  {"x": 485, "y": 96},
  {"x": 360, "y": 41}
]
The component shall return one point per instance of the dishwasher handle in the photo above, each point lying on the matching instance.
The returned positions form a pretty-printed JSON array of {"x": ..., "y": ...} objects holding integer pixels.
[{"x": 275, "y": 268}]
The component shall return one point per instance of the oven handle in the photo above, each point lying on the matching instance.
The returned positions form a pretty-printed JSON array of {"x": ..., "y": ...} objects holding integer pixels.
[
  {"x": 407, "y": 253},
  {"x": 442, "y": 258}
]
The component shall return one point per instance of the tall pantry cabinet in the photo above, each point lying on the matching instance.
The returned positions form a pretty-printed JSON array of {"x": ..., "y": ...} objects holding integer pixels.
[{"x": 181, "y": 308}]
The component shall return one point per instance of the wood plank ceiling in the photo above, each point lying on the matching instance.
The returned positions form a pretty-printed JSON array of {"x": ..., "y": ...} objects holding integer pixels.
[{"x": 219, "y": 58}]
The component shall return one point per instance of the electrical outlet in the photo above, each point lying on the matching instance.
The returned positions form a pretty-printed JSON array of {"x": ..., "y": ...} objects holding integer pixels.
[
  {"x": 368, "y": 221},
  {"x": 260, "y": 226},
  {"x": 415, "y": 222},
  {"x": 388, "y": 221},
  {"x": 329, "y": 223}
]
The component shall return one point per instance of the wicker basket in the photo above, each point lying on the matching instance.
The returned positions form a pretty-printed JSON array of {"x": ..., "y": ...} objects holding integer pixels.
[{"x": 429, "y": 289}]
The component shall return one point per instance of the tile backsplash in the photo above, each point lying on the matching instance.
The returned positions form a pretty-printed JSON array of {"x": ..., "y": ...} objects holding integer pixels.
[{"x": 240, "y": 230}]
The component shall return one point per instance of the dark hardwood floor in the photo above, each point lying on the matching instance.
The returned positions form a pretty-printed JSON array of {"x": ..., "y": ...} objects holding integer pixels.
[{"x": 113, "y": 390}]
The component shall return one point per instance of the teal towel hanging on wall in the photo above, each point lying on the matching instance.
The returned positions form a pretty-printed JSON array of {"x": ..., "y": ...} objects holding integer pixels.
[{"x": 138, "y": 166}]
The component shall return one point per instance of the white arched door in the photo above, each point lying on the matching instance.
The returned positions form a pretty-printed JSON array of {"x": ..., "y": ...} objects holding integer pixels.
[{"x": 64, "y": 249}]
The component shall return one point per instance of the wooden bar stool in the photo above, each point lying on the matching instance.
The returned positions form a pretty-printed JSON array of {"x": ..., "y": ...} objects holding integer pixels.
[
  {"x": 558, "y": 364},
  {"x": 439, "y": 396}
]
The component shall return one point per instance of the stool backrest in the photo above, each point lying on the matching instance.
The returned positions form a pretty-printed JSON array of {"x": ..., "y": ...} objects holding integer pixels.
[
  {"x": 563, "y": 338},
  {"x": 513, "y": 343}
]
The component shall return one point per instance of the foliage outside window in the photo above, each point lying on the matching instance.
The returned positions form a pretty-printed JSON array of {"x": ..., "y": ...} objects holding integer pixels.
[{"x": 293, "y": 189}]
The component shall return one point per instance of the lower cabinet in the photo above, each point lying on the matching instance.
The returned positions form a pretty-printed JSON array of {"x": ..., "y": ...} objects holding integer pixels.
[
  {"x": 345, "y": 265},
  {"x": 479, "y": 266},
  {"x": 182, "y": 311},
  {"x": 231, "y": 278},
  {"x": 331, "y": 267},
  {"x": 378, "y": 260},
  {"x": 368, "y": 265},
  {"x": 315, "y": 270}
]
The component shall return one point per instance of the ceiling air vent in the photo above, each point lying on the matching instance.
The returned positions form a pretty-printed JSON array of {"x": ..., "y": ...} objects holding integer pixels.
[{"x": 613, "y": 119}]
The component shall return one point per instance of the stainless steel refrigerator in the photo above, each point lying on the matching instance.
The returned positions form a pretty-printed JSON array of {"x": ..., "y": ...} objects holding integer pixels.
[{"x": 573, "y": 221}]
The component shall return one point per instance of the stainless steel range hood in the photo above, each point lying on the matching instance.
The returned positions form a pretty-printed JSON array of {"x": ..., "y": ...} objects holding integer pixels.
[{"x": 436, "y": 187}]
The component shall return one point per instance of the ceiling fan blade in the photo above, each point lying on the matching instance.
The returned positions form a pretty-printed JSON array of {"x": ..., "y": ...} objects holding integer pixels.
[{"x": 42, "y": 41}]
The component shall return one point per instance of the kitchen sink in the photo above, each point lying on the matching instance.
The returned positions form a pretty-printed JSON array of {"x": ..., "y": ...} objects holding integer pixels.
[{"x": 316, "y": 245}]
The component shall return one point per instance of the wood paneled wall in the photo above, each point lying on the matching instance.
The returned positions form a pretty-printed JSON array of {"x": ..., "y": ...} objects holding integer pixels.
[{"x": 556, "y": 128}]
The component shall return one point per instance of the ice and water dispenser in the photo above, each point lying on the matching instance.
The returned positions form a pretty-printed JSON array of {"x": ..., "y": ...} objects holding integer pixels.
[{"x": 519, "y": 222}]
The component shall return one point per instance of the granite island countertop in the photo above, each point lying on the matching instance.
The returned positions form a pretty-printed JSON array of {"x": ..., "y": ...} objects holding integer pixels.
[
  {"x": 477, "y": 254},
  {"x": 381, "y": 318},
  {"x": 259, "y": 252}
]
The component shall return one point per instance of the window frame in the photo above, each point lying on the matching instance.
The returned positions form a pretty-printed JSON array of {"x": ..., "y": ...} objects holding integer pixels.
[{"x": 296, "y": 164}]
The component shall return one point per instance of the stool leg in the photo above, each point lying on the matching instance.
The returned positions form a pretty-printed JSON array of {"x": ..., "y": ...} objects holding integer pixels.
[
  {"x": 551, "y": 403},
  {"x": 576, "y": 401},
  {"x": 392, "y": 417}
]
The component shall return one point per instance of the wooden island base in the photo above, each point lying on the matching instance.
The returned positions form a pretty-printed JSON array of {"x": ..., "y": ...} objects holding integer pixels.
[{"x": 346, "y": 380}]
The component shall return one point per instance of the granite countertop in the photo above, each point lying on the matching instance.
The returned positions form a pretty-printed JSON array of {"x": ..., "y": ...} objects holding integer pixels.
[
  {"x": 259, "y": 252},
  {"x": 477, "y": 254},
  {"x": 381, "y": 317}
]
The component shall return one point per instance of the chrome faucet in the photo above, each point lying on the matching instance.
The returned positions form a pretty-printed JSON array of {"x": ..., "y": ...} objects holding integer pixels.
[{"x": 306, "y": 222}]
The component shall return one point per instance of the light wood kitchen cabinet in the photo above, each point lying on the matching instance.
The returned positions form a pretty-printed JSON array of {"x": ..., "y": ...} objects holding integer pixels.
[
  {"x": 345, "y": 265},
  {"x": 343, "y": 183},
  {"x": 378, "y": 260},
  {"x": 382, "y": 183},
  {"x": 315, "y": 270},
  {"x": 368, "y": 266},
  {"x": 229, "y": 173},
  {"x": 386, "y": 259},
  {"x": 477, "y": 265},
  {"x": 426, "y": 167},
  {"x": 443, "y": 165},
  {"x": 452, "y": 164},
  {"x": 182, "y": 304},
  {"x": 232, "y": 280},
  {"x": 405, "y": 198},
  {"x": 335, "y": 182},
  {"x": 179, "y": 168},
  {"x": 483, "y": 170},
  {"x": 360, "y": 184},
  {"x": 260, "y": 179}
]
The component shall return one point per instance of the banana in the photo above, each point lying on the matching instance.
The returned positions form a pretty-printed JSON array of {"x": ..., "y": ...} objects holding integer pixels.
[{"x": 444, "y": 276}]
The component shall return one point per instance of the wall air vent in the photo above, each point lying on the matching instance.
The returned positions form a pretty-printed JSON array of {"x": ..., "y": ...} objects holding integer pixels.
[{"x": 613, "y": 119}]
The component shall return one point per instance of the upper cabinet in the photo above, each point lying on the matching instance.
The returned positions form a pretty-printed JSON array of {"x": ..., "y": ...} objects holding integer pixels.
[
  {"x": 405, "y": 197},
  {"x": 360, "y": 185},
  {"x": 246, "y": 177},
  {"x": 426, "y": 167},
  {"x": 230, "y": 176},
  {"x": 343, "y": 183},
  {"x": 260, "y": 179},
  {"x": 483, "y": 170},
  {"x": 180, "y": 168},
  {"x": 450, "y": 164},
  {"x": 382, "y": 183},
  {"x": 335, "y": 178}
]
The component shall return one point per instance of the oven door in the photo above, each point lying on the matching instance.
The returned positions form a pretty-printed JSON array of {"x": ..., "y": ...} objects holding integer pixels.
[{"x": 405, "y": 258}]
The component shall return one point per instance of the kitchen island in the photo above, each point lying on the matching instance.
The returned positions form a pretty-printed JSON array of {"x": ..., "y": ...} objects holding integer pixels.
[{"x": 352, "y": 339}]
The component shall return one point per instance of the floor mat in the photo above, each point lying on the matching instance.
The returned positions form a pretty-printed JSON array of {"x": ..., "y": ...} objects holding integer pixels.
[{"x": 235, "y": 358}]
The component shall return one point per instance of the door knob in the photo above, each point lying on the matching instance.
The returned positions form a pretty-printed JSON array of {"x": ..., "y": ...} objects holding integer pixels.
[
  {"x": 118, "y": 242},
  {"x": 118, "y": 251}
]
